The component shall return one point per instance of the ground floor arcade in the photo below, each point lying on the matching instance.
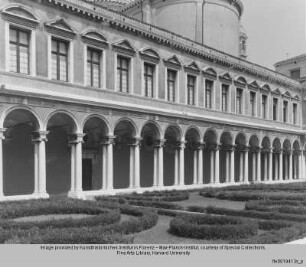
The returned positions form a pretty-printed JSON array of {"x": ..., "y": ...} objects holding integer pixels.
[{"x": 58, "y": 153}]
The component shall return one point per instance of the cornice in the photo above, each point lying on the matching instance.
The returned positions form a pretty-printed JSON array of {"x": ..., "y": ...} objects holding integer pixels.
[{"x": 175, "y": 41}]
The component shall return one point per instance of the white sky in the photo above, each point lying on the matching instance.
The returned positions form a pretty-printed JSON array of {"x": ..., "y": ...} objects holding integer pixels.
[{"x": 276, "y": 29}]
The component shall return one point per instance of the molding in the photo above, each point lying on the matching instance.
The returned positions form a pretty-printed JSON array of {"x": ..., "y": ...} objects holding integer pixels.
[
  {"x": 173, "y": 62},
  {"x": 60, "y": 27},
  {"x": 95, "y": 38},
  {"x": 149, "y": 54},
  {"x": 124, "y": 47},
  {"x": 19, "y": 15}
]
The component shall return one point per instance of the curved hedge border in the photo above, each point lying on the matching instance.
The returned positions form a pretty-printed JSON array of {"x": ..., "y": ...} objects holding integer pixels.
[
  {"x": 247, "y": 195},
  {"x": 90, "y": 233},
  {"x": 212, "y": 227},
  {"x": 277, "y": 206}
]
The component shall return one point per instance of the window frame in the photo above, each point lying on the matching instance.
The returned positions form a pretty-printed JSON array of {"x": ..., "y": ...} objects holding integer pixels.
[
  {"x": 211, "y": 90},
  {"x": 128, "y": 70},
  {"x": 253, "y": 103},
  {"x": 58, "y": 55},
  {"x": 285, "y": 111},
  {"x": 145, "y": 79},
  {"x": 294, "y": 113},
  {"x": 225, "y": 105},
  {"x": 275, "y": 106},
  {"x": 175, "y": 82},
  {"x": 188, "y": 84},
  {"x": 102, "y": 73},
  {"x": 240, "y": 111},
  {"x": 264, "y": 106}
]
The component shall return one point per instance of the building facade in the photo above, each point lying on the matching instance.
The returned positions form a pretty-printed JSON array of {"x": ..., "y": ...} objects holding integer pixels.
[{"x": 95, "y": 102}]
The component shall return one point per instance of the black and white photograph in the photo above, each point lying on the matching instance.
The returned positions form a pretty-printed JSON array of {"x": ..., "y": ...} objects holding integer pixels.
[{"x": 148, "y": 132}]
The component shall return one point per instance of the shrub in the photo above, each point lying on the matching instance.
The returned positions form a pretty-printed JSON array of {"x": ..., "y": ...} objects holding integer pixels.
[
  {"x": 289, "y": 207},
  {"x": 256, "y": 214},
  {"x": 212, "y": 227}
]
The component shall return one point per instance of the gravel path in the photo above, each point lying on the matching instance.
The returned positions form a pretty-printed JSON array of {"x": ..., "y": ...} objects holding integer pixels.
[{"x": 50, "y": 217}]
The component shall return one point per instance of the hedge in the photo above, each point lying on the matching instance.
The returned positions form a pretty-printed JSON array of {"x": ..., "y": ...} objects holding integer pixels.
[
  {"x": 256, "y": 214},
  {"x": 247, "y": 195},
  {"x": 273, "y": 207},
  {"x": 284, "y": 235},
  {"x": 212, "y": 227}
]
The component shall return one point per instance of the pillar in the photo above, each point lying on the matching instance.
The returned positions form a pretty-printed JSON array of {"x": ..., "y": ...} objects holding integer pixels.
[
  {"x": 240, "y": 167},
  {"x": 270, "y": 178},
  {"x": 217, "y": 165},
  {"x": 232, "y": 176},
  {"x": 108, "y": 162},
  {"x": 76, "y": 166},
  {"x": 135, "y": 163},
  {"x": 276, "y": 167},
  {"x": 300, "y": 168},
  {"x": 286, "y": 166},
  {"x": 159, "y": 164},
  {"x": 246, "y": 166},
  {"x": 200, "y": 164},
  {"x": 212, "y": 166},
  {"x": 181, "y": 162},
  {"x": 195, "y": 167},
  {"x": 265, "y": 167},
  {"x": 40, "y": 139},
  {"x": 1, "y": 161},
  {"x": 280, "y": 173},
  {"x": 253, "y": 167},
  {"x": 259, "y": 166},
  {"x": 290, "y": 166},
  {"x": 227, "y": 166},
  {"x": 295, "y": 166},
  {"x": 176, "y": 166}
]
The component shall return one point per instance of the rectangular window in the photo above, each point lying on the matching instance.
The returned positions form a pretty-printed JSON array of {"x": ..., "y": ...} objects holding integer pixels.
[
  {"x": 93, "y": 67},
  {"x": 59, "y": 60},
  {"x": 148, "y": 80},
  {"x": 294, "y": 113},
  {"x": 253, "y": 103},
  {"x": 123, "y": 74},
  {"x": 285, "y": 111},
  {"x": 225, "y": 89},
  {"x": 275, "y": 108},
  {"x": 239, "y": 95},
  {"x": 208, "y": 93},
  {"x": 264, "y": 106},
  {"x": 19, "y": 51},
  {"x": 191, "y": 80},
  {"x": 171, "y": 78}
]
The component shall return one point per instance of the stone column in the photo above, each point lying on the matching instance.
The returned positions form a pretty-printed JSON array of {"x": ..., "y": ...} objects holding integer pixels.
[
  {"x": 295, "y": 166},
  {"x": 2, "y": 131},
  {"x": 195, "y": 167},
  {"x": 135, "y": 149},
  {"x": 159, "y": 171},
  {"x": 276, "y": 167},
  {"x": 227, "y": 166},
  {"x": 232, "y": 176},
  {"x": 241, "y": 167},
  {"x": 246, "y": 166},
  {"x": 253, "y": 167},
  {"x": 108, "y": 162},
  {"x": 76, "y": 161},
  {"x": 182, "y": 163},
  {"x": 39, "y": 140},
  {"x": 300, "y": 168},
  {"x": 266, "y": 167},
  {"x": 259, "y": 166},
  {"x": 290, "y": 166},
  {"x": 270, "y": 178},
  {"x": 217, "y": 164},
  {"x": 286, "y": 166},
  {"x": 280, "y": 173},
  {"x": 212, "y": 166},
  {"x": 176, "y": 166},
  {"x": 200, "y": 164}
]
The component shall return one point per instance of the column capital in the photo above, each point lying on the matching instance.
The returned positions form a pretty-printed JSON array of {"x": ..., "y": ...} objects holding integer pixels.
[
  {"x": 76, "y": 138},
  {"x": 200, "y": 145},
  {"x": 180, "y": 145},
  {"x": 40, "y": 136},
  {"x": 108, "y": 140},
  {"x": 159, "y": 143},
  {"x": 2, "y": 131},
  {"x": 135, "y": 142}
]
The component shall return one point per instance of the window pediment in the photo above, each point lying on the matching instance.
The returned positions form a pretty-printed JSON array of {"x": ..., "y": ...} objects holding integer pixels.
[
  {"x": 241, "y": 81},
  {"x": 192, "y": 67},
  {"x": 60, "y": 27},
  {"x": 276, "y": 92},
  {"x": 210, "y": 73},
  {"x": 124, "y": 47},
  {"x": 173, "y": 62},
  {"x": 297, "y": 97},
  {"x": 20, "y": 15},
  {"x": 254, "y": 85},
  {"x": 95, "y": 38},
  {"x": 226, "y": 77},
  {"x": 287, "y": 94},
  {"x": 149, "y": 54},
  {"x": 266, "y": 88}
]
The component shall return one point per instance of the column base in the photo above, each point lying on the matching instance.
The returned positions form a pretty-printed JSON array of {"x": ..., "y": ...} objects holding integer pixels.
[
  {"x": 44, "y": 195},
  {"x": 76, "y": 194}
]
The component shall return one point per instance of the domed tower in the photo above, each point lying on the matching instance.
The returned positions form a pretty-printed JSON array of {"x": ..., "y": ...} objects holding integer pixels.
[{"x": 215, "y": 23}]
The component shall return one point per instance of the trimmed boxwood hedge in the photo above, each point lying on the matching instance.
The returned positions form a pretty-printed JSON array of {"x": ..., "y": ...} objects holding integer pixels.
[
  {"x": 249, "y": 195},
  {"x": 275, "y": 206},
  {"x": 212, "y": 227},
  {"x": 88, "y": 233}
]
